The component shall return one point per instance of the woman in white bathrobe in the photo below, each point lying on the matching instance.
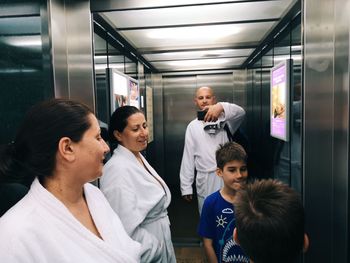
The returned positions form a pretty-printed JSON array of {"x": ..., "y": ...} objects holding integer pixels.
[
  {"x": 134, "y": 189},
  {"x": 58, "y": 150}
]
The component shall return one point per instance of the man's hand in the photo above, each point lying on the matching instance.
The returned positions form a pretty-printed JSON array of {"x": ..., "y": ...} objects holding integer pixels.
[
  {"x": 187, "y": 198},
  {"x": 213, "y": 113}
]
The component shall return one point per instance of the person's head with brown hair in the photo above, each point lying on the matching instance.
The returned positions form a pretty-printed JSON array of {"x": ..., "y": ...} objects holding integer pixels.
[{"x": 270, "y": 222}]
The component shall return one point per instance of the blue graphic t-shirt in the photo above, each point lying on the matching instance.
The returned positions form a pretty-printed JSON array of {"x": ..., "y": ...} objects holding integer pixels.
[{"x": 217, "y": 223}]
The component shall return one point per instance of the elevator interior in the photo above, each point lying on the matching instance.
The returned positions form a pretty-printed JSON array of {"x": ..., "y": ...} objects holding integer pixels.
[
  {"x": 174, "y": 49},
  {"x": 171, "y": 48},
  {"x": 41, "y": 57}
]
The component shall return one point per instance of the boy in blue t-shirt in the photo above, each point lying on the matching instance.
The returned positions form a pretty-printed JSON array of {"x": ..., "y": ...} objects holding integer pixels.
[{"x": 217, "y": 220}]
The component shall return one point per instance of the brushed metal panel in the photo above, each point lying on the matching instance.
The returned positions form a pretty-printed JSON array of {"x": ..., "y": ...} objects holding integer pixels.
[
  {"x": 54, "y": 38},
  {"x": 240, "y": 90},
  {"x": 318, "y": 133},
  {"x": 179, "y": 110},
  {"x": 80, "y": 51},
  {"x": 341, "y": 132},
  {"x": 68, "y": 36},
  {"x": 155, "y": 151}
]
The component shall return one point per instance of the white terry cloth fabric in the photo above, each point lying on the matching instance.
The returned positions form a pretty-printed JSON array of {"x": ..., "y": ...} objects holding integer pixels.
[
  {"x": 39, "y": 229},
  {"x": 140, "y": 198},
  {"x": 199, "y": 152}
]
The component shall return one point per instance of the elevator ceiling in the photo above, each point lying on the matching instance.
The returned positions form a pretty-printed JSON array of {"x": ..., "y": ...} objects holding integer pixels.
[{"x": 188, "y": 35}]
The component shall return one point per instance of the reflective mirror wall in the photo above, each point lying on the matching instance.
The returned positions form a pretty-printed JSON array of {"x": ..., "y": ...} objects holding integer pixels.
[{"x": 24, "y": 80}]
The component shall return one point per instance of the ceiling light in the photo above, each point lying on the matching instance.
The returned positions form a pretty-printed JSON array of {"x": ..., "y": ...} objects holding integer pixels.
[
  {"x": 198, "y": 32},
  {"x": 202, "y": 62},
  {"x": 23, "y": 41}
]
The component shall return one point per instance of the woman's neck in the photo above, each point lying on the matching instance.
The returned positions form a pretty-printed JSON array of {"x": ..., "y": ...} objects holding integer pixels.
[
  {"x": 138, "y": 157},
  {"x": 67, "y": 192}
]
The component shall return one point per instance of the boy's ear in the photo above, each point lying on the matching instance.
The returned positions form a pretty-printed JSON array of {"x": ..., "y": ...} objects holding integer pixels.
[
  {"x": 218, "y": 172},
  {"x": 235, "y": 238}
]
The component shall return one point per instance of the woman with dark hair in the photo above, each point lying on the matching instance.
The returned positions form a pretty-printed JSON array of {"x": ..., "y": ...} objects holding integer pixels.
[
  {"x": 134, "y": 189},
  {"x": 58, "y": 149}
]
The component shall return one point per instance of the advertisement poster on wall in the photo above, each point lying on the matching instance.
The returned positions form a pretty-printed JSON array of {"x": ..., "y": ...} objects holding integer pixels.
[
  {"x": 124, "y": 90},
  {"x": 118, "y": 88},
  {"x": 280, "y": 92},
  {"x": 134, "y": 93}
]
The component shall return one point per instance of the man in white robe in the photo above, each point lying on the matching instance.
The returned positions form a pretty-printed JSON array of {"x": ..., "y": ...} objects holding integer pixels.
[
  {"x": 201, "y": 143},
  {"x": 40, "y": 228}
]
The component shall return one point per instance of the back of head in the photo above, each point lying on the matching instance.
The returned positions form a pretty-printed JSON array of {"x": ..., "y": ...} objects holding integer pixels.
[
  {"x": 270, "y": 222},
  {"x": 33, "y": 152},
  {"x": 118, "y": 122},
  {"x": 230, "y": 151}
]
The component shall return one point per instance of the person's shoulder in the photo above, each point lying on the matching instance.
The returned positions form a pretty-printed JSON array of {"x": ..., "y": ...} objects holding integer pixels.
[
  {"x": 193, "y": 123},
  {"x": 118, "y": 162},
  {"x": 212, "y": 198},
  {"x": 19, "y": 219}
]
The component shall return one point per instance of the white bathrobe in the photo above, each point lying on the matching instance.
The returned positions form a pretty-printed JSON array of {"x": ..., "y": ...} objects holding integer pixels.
[
  {"x": 199, "y": 153},
  {"x": 39, "y": 229},
  {"x": 140, "y": 198}
]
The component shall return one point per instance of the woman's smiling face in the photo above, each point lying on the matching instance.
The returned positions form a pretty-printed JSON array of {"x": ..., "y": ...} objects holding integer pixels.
[{"x": 135, "y": 135}]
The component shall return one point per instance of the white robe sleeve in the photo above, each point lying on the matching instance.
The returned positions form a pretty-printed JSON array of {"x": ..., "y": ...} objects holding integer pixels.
[
  {"x": 187, "y": 169},
  {"x": 233, "y": 115}
]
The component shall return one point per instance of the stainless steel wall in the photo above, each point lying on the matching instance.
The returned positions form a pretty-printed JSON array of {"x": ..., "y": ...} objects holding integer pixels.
[
  {"x": 326, "y": 133},
  {"x": 23, "y": 78},
  {"x": 155, "y": 150},
  {"x": 179, "y": 110},
  {"x": 239, "y": 82},
  {"x": 67, "y": 44}
]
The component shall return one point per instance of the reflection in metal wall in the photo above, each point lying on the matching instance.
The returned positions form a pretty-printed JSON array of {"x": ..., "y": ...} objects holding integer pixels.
[
  {"x": 156, "y": 148},
  {"x": 240, "y": 89},
  {"x": 23, "y": 79},
  {"x": 326, "y": 143},
  {"x": 179, "y": 110}
]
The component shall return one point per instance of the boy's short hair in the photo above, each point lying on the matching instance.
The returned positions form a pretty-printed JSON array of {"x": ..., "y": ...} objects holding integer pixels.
[
  {"x": 230, "y": 151},
  {"x": 269, "y": 221}
]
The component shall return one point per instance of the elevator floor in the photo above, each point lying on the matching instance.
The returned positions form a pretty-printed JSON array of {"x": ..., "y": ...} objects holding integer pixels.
[
  {"x": 184, "y": 218},
  {"x": 190, "y": 255}
]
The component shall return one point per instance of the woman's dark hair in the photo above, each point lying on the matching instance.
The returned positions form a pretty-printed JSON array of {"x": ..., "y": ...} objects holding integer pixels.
[
  {"x": 118, "y": 122},
  {"x": 33, "y": 152}
]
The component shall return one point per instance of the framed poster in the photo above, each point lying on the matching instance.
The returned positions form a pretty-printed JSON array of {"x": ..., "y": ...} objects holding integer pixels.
[
  {"x": 124, "y": 90},
  {"x": 134, "y": 93},
  {"x": 280, "y": 99},
  {"x": 118, "y": 88}
]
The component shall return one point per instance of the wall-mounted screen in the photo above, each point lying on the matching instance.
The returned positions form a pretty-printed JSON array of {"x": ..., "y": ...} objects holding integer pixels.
[
  {"x": 124, "y": 89},
  {"x": 280, "y": 94},
  {"x": 134, "y": 93}
]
